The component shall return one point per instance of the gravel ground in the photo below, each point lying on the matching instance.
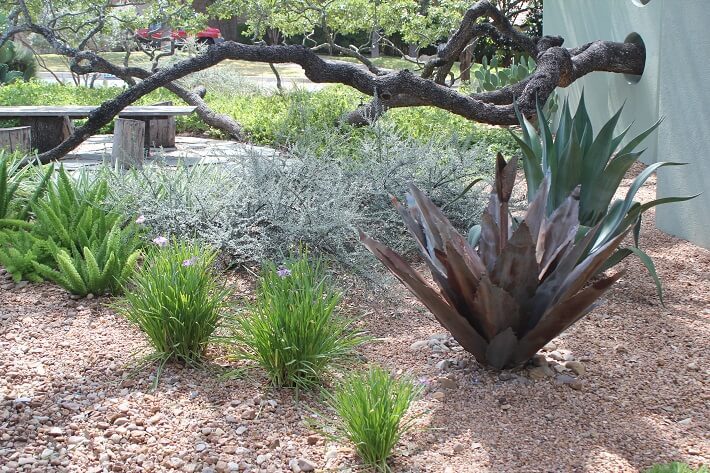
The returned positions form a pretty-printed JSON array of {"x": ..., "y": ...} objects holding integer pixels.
[{"x": 624, "y": 388}]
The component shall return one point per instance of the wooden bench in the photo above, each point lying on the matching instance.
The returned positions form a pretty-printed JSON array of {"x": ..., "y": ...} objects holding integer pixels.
[{"x": 51, "y": 125}]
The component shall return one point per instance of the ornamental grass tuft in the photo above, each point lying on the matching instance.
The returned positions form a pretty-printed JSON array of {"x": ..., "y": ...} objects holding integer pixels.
[
  {"x": 176, "y": 300},
  {"x": 370, "y": 412},
  {"x": 677, "y": 467},
  {"x": 294, "y": 330}
]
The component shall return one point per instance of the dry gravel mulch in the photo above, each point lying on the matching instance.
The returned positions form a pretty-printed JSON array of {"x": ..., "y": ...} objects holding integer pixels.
[{"x": 73, "y": 399}]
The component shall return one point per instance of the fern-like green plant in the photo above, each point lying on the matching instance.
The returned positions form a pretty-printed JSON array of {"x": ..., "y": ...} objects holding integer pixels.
[
  {"x": 73, "y": 211},
  {"x": 95, "y": 250},
  {"x": 19, "y": 187},
  {"x": 20, "y": 250},
  {"x": 102, "y": 268}
]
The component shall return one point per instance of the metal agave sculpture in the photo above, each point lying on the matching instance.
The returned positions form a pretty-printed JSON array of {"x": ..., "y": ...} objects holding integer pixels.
[{"x": 526, "y": 282}]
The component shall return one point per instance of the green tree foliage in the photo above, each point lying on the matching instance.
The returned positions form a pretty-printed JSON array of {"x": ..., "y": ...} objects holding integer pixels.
[
  {"x": 16, "y": 63},
  {"x": 415, "y": 21}
]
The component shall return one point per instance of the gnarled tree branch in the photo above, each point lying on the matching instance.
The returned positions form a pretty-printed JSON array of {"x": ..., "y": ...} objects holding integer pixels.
[{"x": 556, "y": 67}]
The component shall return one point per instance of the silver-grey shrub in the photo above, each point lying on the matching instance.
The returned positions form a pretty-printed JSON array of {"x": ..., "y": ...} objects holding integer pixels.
[{"x": 259, "y": 207}]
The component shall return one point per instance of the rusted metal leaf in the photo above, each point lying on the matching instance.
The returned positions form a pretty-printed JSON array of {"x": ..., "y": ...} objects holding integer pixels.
[
  {"x": 516, "y": 269},
  {"x": 561, "y": 316},
  {"x": 501, "y": 349},
  {"x": 459, "y": 327}
]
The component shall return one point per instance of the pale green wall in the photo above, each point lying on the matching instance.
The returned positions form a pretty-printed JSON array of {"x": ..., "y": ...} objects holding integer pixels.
[{"x": 673, "y": 85}]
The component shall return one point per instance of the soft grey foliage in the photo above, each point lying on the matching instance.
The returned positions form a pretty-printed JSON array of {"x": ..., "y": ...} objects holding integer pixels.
[
  {"x": 221, "y": 81},
  {"x": 261, "y": 207}
]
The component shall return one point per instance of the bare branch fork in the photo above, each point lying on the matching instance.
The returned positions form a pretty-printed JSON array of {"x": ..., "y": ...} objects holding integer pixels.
[{"x": 556, "y": 67}]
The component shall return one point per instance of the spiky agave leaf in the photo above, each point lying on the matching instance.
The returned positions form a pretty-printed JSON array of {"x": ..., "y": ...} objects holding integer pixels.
[{"x": 506, "y": 300}]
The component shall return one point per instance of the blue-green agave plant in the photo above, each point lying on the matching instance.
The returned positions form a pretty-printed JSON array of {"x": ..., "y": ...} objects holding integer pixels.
[{"x": 574, "y": 156}]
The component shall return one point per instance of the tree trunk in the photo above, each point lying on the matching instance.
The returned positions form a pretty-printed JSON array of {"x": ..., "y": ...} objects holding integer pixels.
[
  {"x": 128, "y": 143},
  {"x": 375, "y": 50},
  {"x": 162, "y": 130},
  {"x": 413, "y": 50},
  {"x": 48, "y": 132},
  {"x": 16, "y": 139}
]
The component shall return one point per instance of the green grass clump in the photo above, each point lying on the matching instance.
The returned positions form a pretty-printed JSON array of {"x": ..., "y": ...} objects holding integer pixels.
[
  {"x": 176, "y": 300},
  {"x": 676, "y": 467},
  {"x": 370, "y": 409},
  {"x": 294, "y": 330}
]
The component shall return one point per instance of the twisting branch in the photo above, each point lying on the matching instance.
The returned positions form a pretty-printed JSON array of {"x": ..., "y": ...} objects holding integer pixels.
[
  {"x": 87, "y": 62},
  {"x": 556, "y": 67},
  {"x": 500, "y": 27}
]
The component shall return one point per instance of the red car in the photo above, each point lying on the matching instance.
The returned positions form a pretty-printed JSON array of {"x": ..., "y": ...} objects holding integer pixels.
[{"x": 158, "y": 33}]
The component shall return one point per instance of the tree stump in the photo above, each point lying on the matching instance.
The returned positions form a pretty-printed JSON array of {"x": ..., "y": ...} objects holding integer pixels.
[
  {"x": 48, "y": 132},
  {"x": 162, "y": 130},
  {"x": 16, "y": 139},
  {"x": 128, "y": 143}
]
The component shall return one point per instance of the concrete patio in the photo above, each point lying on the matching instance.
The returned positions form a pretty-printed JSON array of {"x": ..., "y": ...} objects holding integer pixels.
[{"x": 189, "y": 150}]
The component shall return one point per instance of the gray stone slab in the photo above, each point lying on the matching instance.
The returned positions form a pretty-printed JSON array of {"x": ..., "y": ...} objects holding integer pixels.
[
  {"x": 76, "y": 111},
  {"x": 188, "y": 150}
]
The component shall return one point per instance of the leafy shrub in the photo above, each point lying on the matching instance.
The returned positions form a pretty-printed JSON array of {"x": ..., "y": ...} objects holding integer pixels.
[
  {"x": 94, "y": 249},
  {"x": 16, "y": 63},
  {"x": 370, "y": 408},
  {"x": 40, "y": 93},
  {"x": 573, "y": 156},
  {"x": 676, "y": 467},
  {"x": 259, "y": 207},
  {"x": 493, "y": 76},
  {"x": 294, "y": 330},
  {"x": 176, "y": 300},
  {"x": 506, "y": 299}
]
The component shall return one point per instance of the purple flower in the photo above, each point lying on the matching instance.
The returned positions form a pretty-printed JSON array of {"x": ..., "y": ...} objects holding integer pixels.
[
  {"x": 283, "y": 272},
  {"x": 140, "y": 220},
  {"x": 160, "y": 241},
  {"x": 189, "y": 262}
]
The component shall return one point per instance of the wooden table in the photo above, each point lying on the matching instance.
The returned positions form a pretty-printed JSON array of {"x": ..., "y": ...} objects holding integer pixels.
[{"x": 52, "y": 124}]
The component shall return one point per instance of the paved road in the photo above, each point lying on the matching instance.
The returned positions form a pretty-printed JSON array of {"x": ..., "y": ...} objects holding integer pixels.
[{"x": 265, "y": 82}]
